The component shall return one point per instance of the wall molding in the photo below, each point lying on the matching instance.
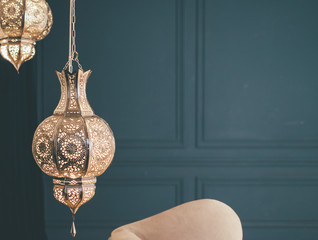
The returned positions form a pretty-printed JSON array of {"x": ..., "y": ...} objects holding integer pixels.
[
  {"x": 87, "y": 224},
  {"x": 177, "y": 141},
  {"x": 187, "y": 161},
  {"x": 202, "y": 182},
  {"x": 201, "y": 139},
  {"x": 281, "y": 224},
  {"x": 246, "y": 224},
  {"x": 177, "y": 183}
]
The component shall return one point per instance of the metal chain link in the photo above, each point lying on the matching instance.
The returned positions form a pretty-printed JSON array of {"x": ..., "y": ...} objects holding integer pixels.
[
  {"x": 73, "y": 17},
  {"x": 73, "y": 54}
]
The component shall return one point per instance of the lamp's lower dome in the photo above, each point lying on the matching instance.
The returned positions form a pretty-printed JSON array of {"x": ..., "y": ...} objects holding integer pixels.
[
  {"x": 17, "y": 51},
  {"x": 74, "y": 192}
]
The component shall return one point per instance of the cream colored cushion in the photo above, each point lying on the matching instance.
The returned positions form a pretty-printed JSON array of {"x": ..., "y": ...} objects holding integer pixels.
[{"x": 198, "y": 220}]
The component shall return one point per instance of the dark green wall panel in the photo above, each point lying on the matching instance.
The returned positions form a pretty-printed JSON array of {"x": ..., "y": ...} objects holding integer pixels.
[
  {"x": 253, "y": 66},
  {"x": 207, "y": 99},
  {"x": 21, "y": 203}
]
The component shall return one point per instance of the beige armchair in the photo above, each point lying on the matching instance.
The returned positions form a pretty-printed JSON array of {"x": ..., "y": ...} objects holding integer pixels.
[{"x": 197, "y": 220}]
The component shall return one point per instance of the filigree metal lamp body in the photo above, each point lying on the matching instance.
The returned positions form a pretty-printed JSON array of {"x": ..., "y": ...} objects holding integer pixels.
[
  {"x": 73, "y": 145},
  {"x": 22, "y": 23}
]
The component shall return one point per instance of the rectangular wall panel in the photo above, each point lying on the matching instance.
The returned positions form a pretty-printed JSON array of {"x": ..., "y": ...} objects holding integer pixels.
[
  {"x": 117, "y": 201},
  {"x": 250, "y": 90},
  {"x": 271, "y": 205},
  {"x": 137, "y": 61},
  {"x": 207, "y": 99}
]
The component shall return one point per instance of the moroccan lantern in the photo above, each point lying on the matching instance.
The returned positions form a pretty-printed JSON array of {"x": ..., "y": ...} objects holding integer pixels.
[
  {"x": 22, "y": 24},
  {"x": 73, "y": 146}
]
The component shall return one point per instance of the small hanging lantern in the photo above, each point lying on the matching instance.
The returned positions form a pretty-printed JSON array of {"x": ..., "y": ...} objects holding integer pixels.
[
  {"x": 22, "y": 24},
  {"x": 73, "y": 145}
]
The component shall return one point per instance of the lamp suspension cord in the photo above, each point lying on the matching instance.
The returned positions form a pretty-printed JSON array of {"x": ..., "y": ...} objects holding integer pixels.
[
  {"x": 73, "y": 54},
  {"x": 71, "y": 35}
]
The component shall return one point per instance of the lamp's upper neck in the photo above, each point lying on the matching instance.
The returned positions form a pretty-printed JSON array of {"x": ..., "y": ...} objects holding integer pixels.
[{"x": 73, "y": 99}]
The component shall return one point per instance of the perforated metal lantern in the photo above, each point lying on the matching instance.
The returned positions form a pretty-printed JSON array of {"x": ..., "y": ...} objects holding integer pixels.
[
  {"x": 73, "y": 145},
  {"x": 74, "y": 193},
  {"x": 22, "y": 24}
]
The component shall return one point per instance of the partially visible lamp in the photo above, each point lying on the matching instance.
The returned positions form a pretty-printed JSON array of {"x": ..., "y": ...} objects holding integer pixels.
[
  {"x": 73, "y": 145},
  {"x": 22, "y": 24}
]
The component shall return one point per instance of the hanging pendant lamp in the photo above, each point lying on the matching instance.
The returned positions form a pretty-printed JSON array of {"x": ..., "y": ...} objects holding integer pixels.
[
  {"x": 22, "y": 24},
  {"x": 73, "y": 145}
]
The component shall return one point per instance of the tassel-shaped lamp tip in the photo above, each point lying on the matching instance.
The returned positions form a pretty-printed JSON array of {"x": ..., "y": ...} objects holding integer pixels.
[{"x": 73, "y": 229}]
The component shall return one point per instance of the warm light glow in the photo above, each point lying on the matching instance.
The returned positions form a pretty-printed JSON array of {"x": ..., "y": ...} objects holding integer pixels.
[
  {"x": 22, "y": 23},
  {"x": 73, "y": 145}
]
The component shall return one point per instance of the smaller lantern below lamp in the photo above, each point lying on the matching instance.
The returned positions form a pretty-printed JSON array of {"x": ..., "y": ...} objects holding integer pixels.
[{"x": 22, "y": 24}]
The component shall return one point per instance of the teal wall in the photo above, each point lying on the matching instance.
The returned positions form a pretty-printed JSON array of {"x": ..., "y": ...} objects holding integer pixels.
[
  {"x": 21, "y": 188},
  {"x": 207, "y": 99}
]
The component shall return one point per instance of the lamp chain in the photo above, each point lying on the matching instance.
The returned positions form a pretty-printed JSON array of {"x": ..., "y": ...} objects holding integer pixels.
[
  {"x": 73, "y": 54},
  {"x": 73, "y": 22}
]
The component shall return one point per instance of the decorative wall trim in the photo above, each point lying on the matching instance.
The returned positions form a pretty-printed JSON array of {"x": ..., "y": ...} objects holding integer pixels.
[
  {"x": 201, "y": 184},
  {"x": 177, "y": 183},
  {"x": 91, "y": 224},
  {"x": 281, "y": 224},
  {"x": 214, "y": 162},
  {"x": 201, "y": 139},
  {"x": 246, "y": 224},
  {"x": 177, "y": 142}
]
